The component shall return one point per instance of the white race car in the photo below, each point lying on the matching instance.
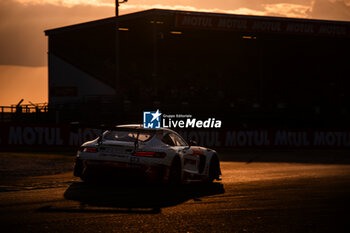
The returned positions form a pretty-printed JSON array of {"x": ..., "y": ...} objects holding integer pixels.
[{"x": 156, "y": 155}]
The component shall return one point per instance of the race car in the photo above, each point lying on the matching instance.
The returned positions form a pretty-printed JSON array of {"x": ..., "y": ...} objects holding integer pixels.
[{"x": 151, "y": 155}]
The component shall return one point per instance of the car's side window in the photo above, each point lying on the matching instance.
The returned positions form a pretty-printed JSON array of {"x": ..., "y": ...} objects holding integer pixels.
[
  {"x": 179, "y": 140},
  {"x": 172, "y": 136},
  {"x": 168, "y": 140}
]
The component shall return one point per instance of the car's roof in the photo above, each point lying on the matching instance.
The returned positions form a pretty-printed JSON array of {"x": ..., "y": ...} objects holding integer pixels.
[{"x": 133, "y": 126}]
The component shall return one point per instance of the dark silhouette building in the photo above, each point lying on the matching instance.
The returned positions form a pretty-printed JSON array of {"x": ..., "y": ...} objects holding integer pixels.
[{"x": 250, "y": 70}]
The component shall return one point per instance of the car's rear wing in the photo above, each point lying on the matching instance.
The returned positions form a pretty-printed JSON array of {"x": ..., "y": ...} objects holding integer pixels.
[{"x": 103, "y": 127}]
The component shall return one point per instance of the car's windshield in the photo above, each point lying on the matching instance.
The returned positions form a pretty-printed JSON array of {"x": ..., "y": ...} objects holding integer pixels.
[{"x": 128, "y": 136}]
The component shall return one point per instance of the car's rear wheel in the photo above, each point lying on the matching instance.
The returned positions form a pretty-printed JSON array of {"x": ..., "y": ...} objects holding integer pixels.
[
  {"x": 78, "y": 167},
  {"x": 175, "y": 172},
  {"x": 85, "y": 175},
  {"x": 214, "y": 169}
]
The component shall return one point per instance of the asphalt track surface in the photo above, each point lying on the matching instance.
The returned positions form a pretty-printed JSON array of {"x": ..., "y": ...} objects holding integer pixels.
[{"x": 252, "y": 197}]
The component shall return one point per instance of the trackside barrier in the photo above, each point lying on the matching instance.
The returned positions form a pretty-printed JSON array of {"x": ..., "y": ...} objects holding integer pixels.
[{"x": 64, "y": 135}]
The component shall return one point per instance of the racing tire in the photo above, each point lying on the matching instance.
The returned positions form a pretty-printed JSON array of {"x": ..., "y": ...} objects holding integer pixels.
[
  {"x": 175, "y": 172},
  {"x": 78, "y": 168},
  {"x": 214, "y": 169},
  {"x": 85, "y": 175}
]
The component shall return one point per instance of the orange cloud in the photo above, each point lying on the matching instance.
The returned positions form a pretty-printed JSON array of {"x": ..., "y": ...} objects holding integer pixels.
[
  {"x": 190, "y": 8},
  {"x": 124, "y": 8},
  {"x": 66, "y": 3},
  {"x": 283, "y": 9},
  {"x": 287, "y": 9}
]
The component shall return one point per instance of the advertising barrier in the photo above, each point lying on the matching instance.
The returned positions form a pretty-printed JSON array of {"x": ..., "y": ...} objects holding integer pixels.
[{"x": 14, "y": 135}]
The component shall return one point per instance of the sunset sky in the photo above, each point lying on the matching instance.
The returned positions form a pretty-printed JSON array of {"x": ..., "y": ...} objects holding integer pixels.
[{"x": 23, "y": 46}]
